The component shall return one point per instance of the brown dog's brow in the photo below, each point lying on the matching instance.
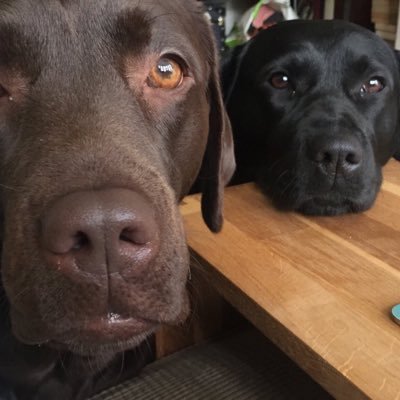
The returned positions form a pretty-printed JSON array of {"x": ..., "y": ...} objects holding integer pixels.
[
  {"x": 18, "y": 58},
  {"x": 12, "y": 43},
  {"x": 132, "y": 31}
]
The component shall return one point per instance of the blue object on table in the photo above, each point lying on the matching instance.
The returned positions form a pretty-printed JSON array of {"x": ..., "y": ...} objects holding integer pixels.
[{"x": 396, "y": 313}]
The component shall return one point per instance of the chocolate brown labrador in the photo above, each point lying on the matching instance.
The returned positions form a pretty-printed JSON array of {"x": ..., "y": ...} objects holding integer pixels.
[{"x": 109, "y": 110}]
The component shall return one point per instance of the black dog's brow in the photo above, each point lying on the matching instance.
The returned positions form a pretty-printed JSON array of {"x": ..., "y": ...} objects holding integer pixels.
[
  {"x": 301, "y": 58},
  {"x": 364, "y": 64}
]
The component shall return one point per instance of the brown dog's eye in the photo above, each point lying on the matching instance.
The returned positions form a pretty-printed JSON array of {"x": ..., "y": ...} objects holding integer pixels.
[
  {"x": 280, "y": 81},
  {"x": 165, "y": 74},
  {"x": 373, "y": 85}
]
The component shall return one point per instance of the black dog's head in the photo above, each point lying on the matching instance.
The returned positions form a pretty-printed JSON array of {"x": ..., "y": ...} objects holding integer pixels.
[{"x": 314, "y": 107}]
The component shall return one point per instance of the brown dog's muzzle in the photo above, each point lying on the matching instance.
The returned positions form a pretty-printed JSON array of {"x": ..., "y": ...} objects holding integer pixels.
[
  {"x": 97, "y": 257},
  {"x": 100, "y": 232}
]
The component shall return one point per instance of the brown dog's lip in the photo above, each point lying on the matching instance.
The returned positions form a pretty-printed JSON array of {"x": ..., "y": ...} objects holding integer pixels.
[
  {"x": 112, "y": 330},
  {"x": 112, "y": 333},
  {"x": 113, "y": 327}
]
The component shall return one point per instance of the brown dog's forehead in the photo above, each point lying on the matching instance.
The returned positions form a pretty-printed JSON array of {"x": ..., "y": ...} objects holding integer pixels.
[
  {"x": 71, "y": 60},
  {"x": 123, "y": 26}
]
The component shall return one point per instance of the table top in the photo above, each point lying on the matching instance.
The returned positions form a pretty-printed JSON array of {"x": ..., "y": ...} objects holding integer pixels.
[{"x": 321, "y": 288}]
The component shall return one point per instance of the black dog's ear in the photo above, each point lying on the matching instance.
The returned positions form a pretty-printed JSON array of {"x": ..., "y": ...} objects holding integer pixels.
[
  {"x": 219, "y": 161},
  {"x": 230, "y": 69},
  {"x": 397, "y": 150}
]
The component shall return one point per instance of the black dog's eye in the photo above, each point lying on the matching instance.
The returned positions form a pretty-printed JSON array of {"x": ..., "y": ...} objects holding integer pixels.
[
  {"x": 280, "y": 81},
  {"x": 373, "y": 85},
  {"x": 167, "y": 73}
]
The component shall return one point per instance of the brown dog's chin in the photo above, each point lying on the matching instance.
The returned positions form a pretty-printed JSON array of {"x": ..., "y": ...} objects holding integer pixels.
[{"x": 109, "y": 334}]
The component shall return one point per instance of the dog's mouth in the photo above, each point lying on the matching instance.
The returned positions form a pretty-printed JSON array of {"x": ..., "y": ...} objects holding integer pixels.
[
  {"x": 329, "y": 203},
  {"x": 114, "y": 327},
  {"x": 313, "y": 195},
  {"x": 330, "y": 206},
  {"x": 107, "y": 334},
  {"x": 93, "y": 330},
  {"x": 90, "y": 335}
]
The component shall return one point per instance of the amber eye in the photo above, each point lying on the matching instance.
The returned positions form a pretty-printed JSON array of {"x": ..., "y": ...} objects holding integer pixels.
[
  {"x": 280, "y": 81},
  {"x": 165, "y": 74},
  {"x": 373, "y": 85}
]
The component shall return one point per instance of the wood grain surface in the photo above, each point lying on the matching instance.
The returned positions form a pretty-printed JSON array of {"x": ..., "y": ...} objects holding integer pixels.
[{"x": 321, "y": 288}]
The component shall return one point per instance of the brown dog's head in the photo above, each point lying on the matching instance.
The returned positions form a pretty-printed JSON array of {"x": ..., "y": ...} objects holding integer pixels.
[{"x": 108, "y": 110}]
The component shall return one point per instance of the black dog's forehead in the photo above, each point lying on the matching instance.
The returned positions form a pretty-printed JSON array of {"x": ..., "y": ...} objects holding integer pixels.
[
  {"x": 336, "y": 44},
  {"x": 57, "y": 31}
]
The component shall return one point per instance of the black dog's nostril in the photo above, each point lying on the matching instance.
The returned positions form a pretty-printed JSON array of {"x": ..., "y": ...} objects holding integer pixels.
[
  {"x": 323, "y": 157},
  {"x": 335, "y": 155},
  {"x": 353, "y": 158}
]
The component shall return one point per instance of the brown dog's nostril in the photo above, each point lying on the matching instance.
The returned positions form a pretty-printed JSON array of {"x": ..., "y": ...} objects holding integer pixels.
[
  {"x": 137, "y": 236},
  {"x": 80, "y": 240},
  {"x": 100, "y": 232}
]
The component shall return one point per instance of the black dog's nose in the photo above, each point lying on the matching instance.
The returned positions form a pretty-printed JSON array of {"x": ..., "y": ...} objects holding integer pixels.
[
  {"x": 336, "y": 155},
  {"x": 100, "y": 231}
]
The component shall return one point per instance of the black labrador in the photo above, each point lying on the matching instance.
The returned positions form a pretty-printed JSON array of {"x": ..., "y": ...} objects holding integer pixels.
[
  {"x": 109, "y": 110},
  {"x": 314, "y": 107}
]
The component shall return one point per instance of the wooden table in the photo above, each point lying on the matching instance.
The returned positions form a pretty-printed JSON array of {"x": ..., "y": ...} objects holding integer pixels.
[{"x": 320, "y": 288}]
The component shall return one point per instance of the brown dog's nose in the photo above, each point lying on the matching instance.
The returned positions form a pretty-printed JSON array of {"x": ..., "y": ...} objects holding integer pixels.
[
  {"x": 336, "y": 155},
  {"x": 100, "y": 231}
]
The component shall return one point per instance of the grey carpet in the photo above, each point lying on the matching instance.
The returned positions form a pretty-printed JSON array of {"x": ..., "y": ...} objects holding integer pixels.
[{"x": 244, "y": 366}]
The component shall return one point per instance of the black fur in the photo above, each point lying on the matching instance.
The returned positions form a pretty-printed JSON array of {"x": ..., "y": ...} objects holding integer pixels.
[{"x": 317, "y": 144}]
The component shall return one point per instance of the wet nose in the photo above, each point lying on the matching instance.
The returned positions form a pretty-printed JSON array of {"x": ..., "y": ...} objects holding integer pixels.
[
  {"x": 100, "y": 231},
  {"x": 341, "y": 156}
]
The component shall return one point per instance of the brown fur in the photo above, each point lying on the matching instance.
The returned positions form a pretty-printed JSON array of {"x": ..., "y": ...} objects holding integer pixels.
[{"x": 81, "y": 118}]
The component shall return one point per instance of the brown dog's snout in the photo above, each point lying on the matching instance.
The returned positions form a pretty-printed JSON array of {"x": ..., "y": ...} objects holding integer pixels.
[
  {"x": 341, "y": 156},
  {"x": 100, "y": 232}
]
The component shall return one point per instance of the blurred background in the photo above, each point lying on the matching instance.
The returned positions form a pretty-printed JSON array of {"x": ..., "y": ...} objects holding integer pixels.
[{"x": 236, "y": 21}]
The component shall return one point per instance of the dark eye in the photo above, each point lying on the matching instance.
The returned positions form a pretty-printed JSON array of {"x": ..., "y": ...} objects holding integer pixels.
[
  {"x": 166, "y": 73},
  {"x": 373, "y": 85},
  {"x": 280, "y": 81}
]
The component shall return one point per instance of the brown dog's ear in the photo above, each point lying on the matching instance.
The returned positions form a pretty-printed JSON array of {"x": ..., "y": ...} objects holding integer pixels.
[{"x": 219, "y": 160}]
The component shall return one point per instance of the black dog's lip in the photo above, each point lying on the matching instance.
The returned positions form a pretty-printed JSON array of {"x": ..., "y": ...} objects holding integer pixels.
[{"x": 326, "y": 205}]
